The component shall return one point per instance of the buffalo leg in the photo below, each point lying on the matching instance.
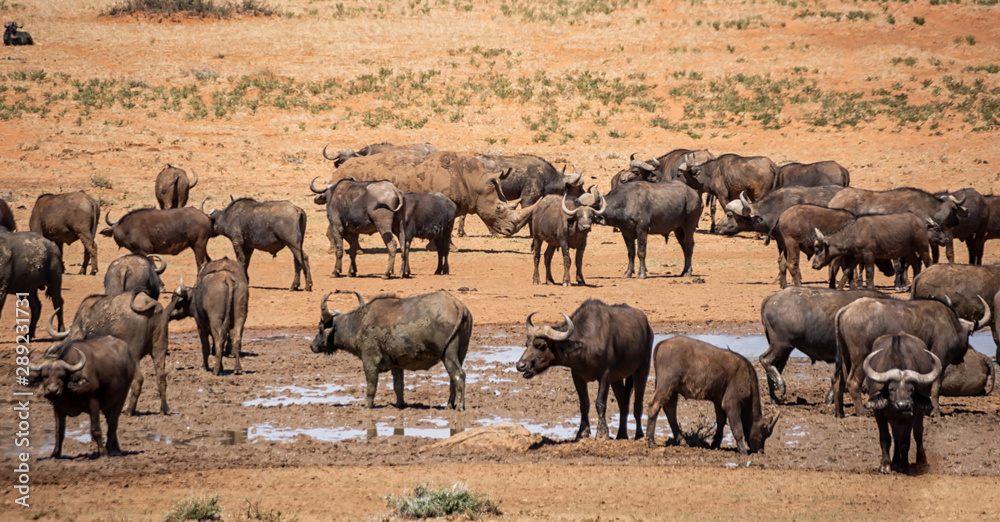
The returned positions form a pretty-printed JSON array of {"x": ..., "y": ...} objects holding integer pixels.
[
  {"x": 95, "y": 426},
  {"x": 371, "y": 381},
  {"x": 774, "y": 360},
  {"x": 35, "y": 308},
  {"x": 854, "y": 388},
  {"x": 456, "y": 384},
  {"x": 89, "y": 252},
  {"x": 901, "y": 453},
  {"x": 782, "y": 269},
  {"x": 536, "y": 249},
  {"x": 236, "y": 338},
  {"x": 622, "y": 396},
  {"x": 918, "y": 438},
  {"x": 443, "y": 246},
  {"x": 670, "y": 411},
  {"x": 303, "y": 261},
  {"x": 581, "y": 392},
  {"x": 330, "y": 237},
  {"x": 641, "y": 238},
  {"x": 352, "y": 252},
  {"x": 404, "y": 268},
  {"x": 639, "y": 388},
  {"x": 686, "y": 239},
  {"x": 337, "y": 240},
  {"x": 60, "y": 434},
  {"x": 720, "y": 424},
  {"x": 564, "y": 248},
  {"x": 792, "y": 260},
  {"x": 206, "y": 346},
  {"x": 579, "y": 264},
  {"x": 159, "y": 355},
  {"x": 601, "y": 405},
  {"x": 838, "y": 391},
  {"x": 392, "y": 246},
  {"x": 461, "y": 226},
  {"x": 134, "y": 391},
  {"x": 885, "y": 441},
  {"x": 219, "y": 339},
  {"x": 397, "y": 386},
  {"x": 549, "y": 252},
  {"x": 630, "y": 248},
  {"x": 111, "y": 416},
  {"x": 739, "y": 426}
]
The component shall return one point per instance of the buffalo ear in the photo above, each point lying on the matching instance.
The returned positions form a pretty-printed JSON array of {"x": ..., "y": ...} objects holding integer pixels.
[{"x": 877, "y": 403}]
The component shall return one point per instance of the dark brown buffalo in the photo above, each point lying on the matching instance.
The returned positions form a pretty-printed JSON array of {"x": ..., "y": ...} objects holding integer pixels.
[
  {"x": 264, "y": 225},
  {"x": 396, "y": 334},
  {"x": 795, "y": 232},
  {"x": 972, "y": 228},
  {"x": 663, "y": 168},
  {"x": 761, "y": 215},
  {"x": 813, "y": 174},
  {"x": 471, "y": 181},
  {"x": 801, "y": 318},
  {"x": 11, "y": 35},
  {"x": 162, "y": 231},
  {"x": 173, "y": 187},
  {"x": 640, "y": 208},
  {"x": 880, "y": 236},
  {"x": 993, "y": 224},
  {"x": 727, "y": 176},
  {"x": 961, "y": 286},
  {"x": 29, "y": 263},
  {"x": 64, "y": 218},
  {"x": 861, "y": 322},
  {"x": 973, "y": 376},
  {"x": 135, "y": 318},
  {"x": 92, "y": 376},
  {"x": 133, "y": 271},
  {"x": 899, "y": 375},
  {"x": 432, "y": 217},
  {"x": 699, "y": 371},
  {"x": 362, "y": 207},
  {"x": 218, "y": 303},
  {"x": 564, "y": 223},
  {"x": 610, "y": 344},
  {"x": 7, "y": 217},
  {"x": 416, "y": 149}
]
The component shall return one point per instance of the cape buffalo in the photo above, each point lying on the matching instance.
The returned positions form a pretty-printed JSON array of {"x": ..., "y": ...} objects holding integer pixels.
[
  {"x": 972, "y": 228},
  {"x": 861, "y": 322},
  {"x": 973, "y": 376},
  {"x": 396, "y": 334},
  {"x": 664, "y": 168},
  {"x": 133, "y": 271},
  {"x": 761, "y": 215},
  {"x": 417, "y": 149},
  {"x": 172, "y": 187},
  {"x": 362, "y": 207},
  {"x": 7, "y": 217},
  {"x": 264, "y": 225},
  {"x": 699, "y": 371},
  {"x": 813, "y": 174},
  {"x": 563, "y": 226},
  {"x": 135, "y": 318},
  {"x": 640, "y": 208},
  {"x": 218, "y": 303},
  {"x": 795, "y": 232},
  {"x": 427, "y": 216},
  {"x": 11, "y": 35},
  {"x": 162, "y": 231},
  {"x": 899, "y": 374},
  {"x": 29, "y": 263},
  {"x": 961, "y": 286},
  {"x": 728, "y": 175},
  {"x": 92, "y": 376},
  {"x": 64, "y": 218},
  {"x": 993, "y": 224},
  {"x": 610, "y": 344},
  {"x": 801, "y": 318}
]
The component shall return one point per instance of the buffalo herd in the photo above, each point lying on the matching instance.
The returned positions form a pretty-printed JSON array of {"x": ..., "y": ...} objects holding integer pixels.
[{"x": 903, "y": 353}]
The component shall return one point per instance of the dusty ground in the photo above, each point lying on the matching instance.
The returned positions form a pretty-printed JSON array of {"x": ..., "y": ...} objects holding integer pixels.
[{"x": 322, "y": 460}]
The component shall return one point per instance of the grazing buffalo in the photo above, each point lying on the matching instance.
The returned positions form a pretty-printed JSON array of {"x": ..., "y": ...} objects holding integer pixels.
[
  {"x": 471, "y": 181},
  {"x": 11, "y": 35},
  {"x": 92, "y": 376},
  {"x": 7, "y": 217},
  {"x": 795, "y": 232},
  {"x": 218, "y": 302},
  {"x": 29, "y": 263},
  {"x": 761, "y": 215},
  {"x": 610, "y": 344},
  {"x": 162, "y": 231},
  {"x": 133, "y": 271},
  {"x": 813, "y": 174},
  {"x": 727, "y": 176},
  {"x": 961, "y": 286},
  {"x": 699, "y": 371},
  {"x": 135, "y": 318},
  {"x": 563, "y": 226},
  {"x": 972, "y": 228},
  {"x": 172, "y": 187},
  {"x": 861, "y": 322},
  {"x": 802, "y": 318},
  {"x": 659, "y": 169},
  {"x": 640, "y": 208},
  {"x": 427, "y": 216},
  {"x": 973, "y": 376},
  {"x": 64, "y": 218},
  {"x": 417, "y": 149},
  {"x": 879, "y": 236},
  {"x": 396, "y": 334},
  {"x": 362, "y": 207},
  {"x": 264, "y": 225},
  {"x": 899, "y": 374}
]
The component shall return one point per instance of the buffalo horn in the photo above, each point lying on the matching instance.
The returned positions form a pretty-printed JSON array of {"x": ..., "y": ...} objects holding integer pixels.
[
  {"x": 985, "y": 320},
  {"x": 924, "y": 378},
  {"x": 547, "y": 331},
  {"x": 53, "y": 333},
  {"x": 33, "y": 367},
  {"x": 819, "y": 235},
  {"x": 567, "y": 211},
  {"x": 494, "y": 179},
  {"x": 604, "y": 203},
  {"x": 202, "y": 206},
  {"x": 323, "y": 310},
  {"x": 361, "y": 300},
  {"x": 163, "y": 263},
  {"x": 132, "y": 305},
  {"x": 78, "y": 366},
  {"x": 894, "y": 374},
  {"x": 958, "y": 201},
  {"x": 195, "y": 182},
  {"x": 107, "y": 219},
  {"x": 745, "y": 199},
  {"x": 654, "y": 162},
  {"x": 573, "y": 179},
  {"x": 334, "y": 158},
  {"x": 312, "y": 186},
  {"x": 367, "y": 151}
]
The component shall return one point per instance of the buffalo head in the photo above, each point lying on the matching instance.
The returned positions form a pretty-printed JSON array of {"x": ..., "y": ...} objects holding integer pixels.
[
  {"x": 589, "y": 211},
  {"x": 323, "y": 341},
  {"x": 544, "y": 347},
  {"x": 638, "y": 169},
  {"x": 759, "y": 433},
  {"x": 57, "y": 376},
  {"x": 896, "y": 386}
]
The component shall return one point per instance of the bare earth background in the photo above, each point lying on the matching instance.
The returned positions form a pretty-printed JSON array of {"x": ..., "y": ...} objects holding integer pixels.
[{"x": 103, "y": 103}]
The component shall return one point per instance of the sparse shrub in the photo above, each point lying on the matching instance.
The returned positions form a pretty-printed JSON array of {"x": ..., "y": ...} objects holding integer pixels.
[
  {"x": 425, "y": 502},
  {"x": 254, "y": 513},
  {"x": 193, "y": 7},
  {"x": 191, "y": 508},
  {"x": 919, "y": 20},
  {"x": 97, "y": 181}
]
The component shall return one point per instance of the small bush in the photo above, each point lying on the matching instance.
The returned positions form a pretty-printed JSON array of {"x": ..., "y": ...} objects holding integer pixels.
[
  {"x": 254, "y": 513},
  {"x": 919, "y": 20},
  {"x": 100, "y": 182},
  {"x": 425, "y": 502},
  {"x": 192, "y": 7},
  {"x": 195, "y": 509}
]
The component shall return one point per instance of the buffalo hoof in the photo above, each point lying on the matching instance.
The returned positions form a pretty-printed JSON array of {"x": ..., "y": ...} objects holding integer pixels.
[
  {"x": 336, "y": 273},
  {"x": 642, "y": 275}
]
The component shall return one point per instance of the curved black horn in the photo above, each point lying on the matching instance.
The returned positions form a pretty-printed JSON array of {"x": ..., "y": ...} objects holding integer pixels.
[
  {"x": 323, "y": 310},
  {"x": 361, "y": 300},
  {"x": 333, "y": 158},
  {"x": 195, "y": 182},
  {"x": 78, "y": 366},
  {"x": 107, "y": 219},
  {"x": 163, "y": 263},
  {"x": 312, "y": 186},
  {"x": 53, "y": 333},
  {"x": 202, "y": 206}
]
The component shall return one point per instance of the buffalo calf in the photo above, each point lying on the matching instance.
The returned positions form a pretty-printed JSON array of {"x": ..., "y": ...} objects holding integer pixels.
[{"x": 560, "y": 226}]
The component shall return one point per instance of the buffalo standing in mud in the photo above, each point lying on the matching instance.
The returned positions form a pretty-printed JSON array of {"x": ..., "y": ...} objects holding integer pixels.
[
  {"x": 899, "y": 373},
  {"x": 391, "y": 334},
  {"x": 697, "y": 370},
  {"x": 133, "y": 271},
  {"x": 559, "y": 226},
  {"x": 168, "y": 231},
  {"x": 264, "y": 225},
  {"x": 29, "y": 263},
  {"x": 610, "y": 344},
  {"x": 92, "y": 376},
  {"x": 172, "y": 187},
  {"x": 218, "y": 303},
  {"x": 64, "y": 218},
  {"x": 361, "y": 207}
]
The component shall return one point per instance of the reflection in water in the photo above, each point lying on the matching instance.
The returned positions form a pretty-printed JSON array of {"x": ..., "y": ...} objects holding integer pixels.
[{"x": 318, "y": 394}]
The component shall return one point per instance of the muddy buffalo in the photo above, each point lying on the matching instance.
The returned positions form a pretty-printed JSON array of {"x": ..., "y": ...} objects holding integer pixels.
[
  {"x": 172, "y": 186},
  {"x": 167, "y": 231},
  {"x": 65, "y": 218},
  {"x": 975, "y": 375},
  {"x": 396, "y": 334},
  {"x": 559, "y": 224},
  {"x": 133, "y": 271},
  {"x": 899, "y": 374},
  {"x": 699, "y": 371},
  {"x": 610, "y": 344},
  {"x": 29, "y": 263},
  {"x": 961, "y": 286}
]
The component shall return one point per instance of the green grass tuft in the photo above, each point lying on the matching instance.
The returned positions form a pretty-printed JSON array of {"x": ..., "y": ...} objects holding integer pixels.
[
  {"x": 425, "y": 502},
  {"x": 221, "y": 9},
  {"x": 191, "y": 508}
]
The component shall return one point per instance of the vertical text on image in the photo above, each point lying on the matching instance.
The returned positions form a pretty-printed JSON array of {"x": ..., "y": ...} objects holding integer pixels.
[{"x": 22, "y": 400}]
